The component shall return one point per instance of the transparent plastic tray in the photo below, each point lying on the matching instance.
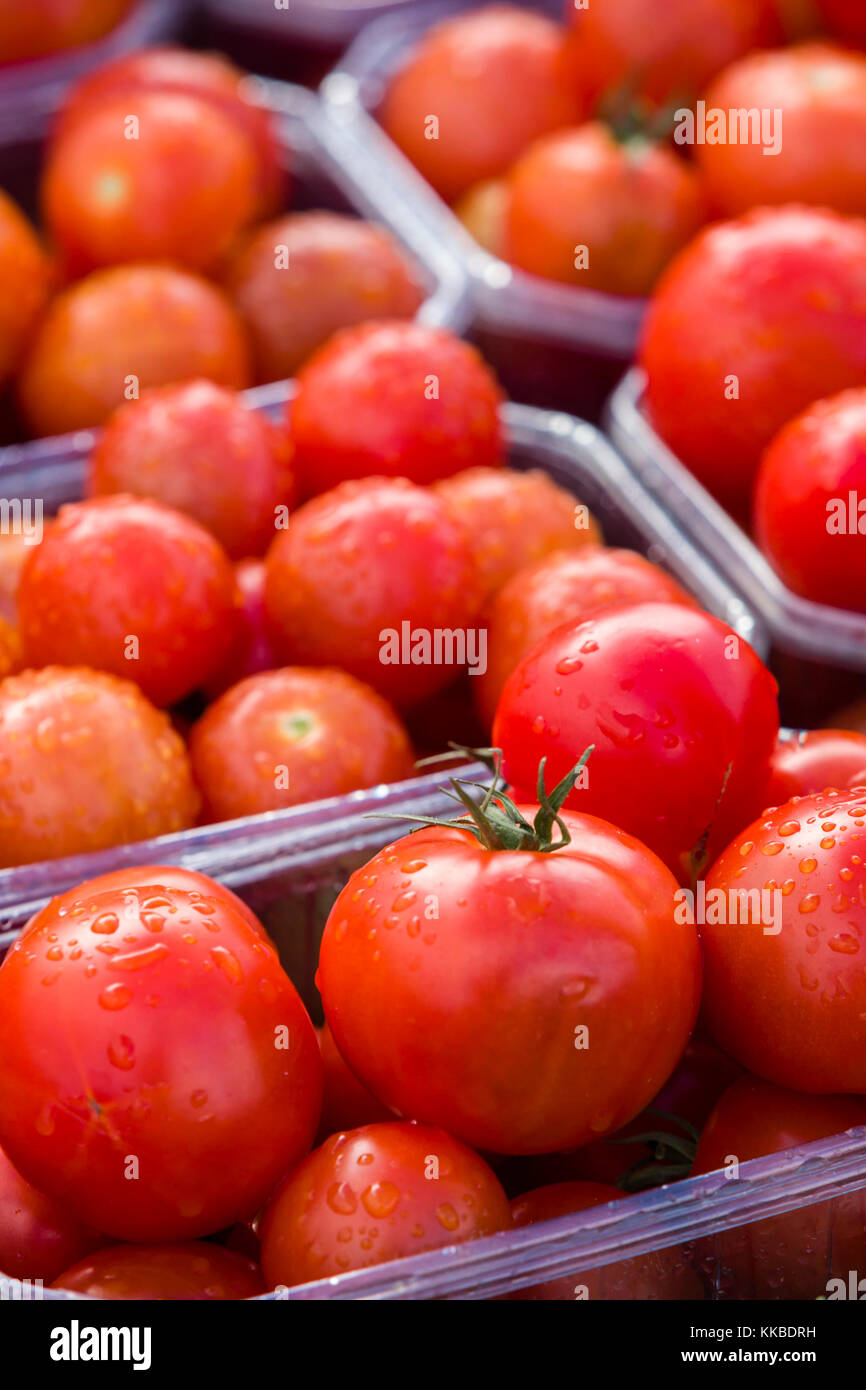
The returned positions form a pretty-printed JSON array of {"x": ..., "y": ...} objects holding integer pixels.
[{"x": 553, "y": 344}]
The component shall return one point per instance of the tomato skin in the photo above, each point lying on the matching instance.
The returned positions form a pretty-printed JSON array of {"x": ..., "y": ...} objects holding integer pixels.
[
  {"x": 171, "y": 587},
  {"x": 25, "y": 282},
  {"x": 802, "y": 494},
  {"x": 13, "y": 552},
  {"x": 196, "y": 447},
  {"x": 566, "y": 586},
  {"x": 90, "y": 764},
  {"x": 791, "y": 1006},
  {"x": 462, "y": 1012},
  {"x": 845, "y": 19},
  {"x": 753, "y": 1118},
  {"x": 784, "y": 290},
  {"x": 343, "y": 1207},
  {"x": 357, "y": 562},
  {"x": 175, "y": 1002},
  {"x": 42, "y": 26},
  {"x": 814, "y": 760},
  {"x": 341, "y": 271},
  {"x": 38, "y": 1236},
  {"x": 466, "y": 72},
  {"x": 631, "y": 204},
  {"x": 390, "y": 423},
  {"x": 253, "y": 649},
  {"x": 163, "y": 324},
  {"x": 346, "y": 1104},
  {"x": 196, "y": 1270},
  {"x": 652, "y": 688},
  {"x": 281, "y": 738}
]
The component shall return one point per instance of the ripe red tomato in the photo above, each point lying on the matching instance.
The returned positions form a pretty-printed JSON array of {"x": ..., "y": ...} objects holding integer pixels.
[
  {"x": 815, "y": 87},
  {"x": 10, "y": 649},
  {"x": 782, "y": 323},
  {"x": 512, "y": 518},
  {"x": 280, "y": 738},
  {"x": 346, "y": 1103},
  {"x": 297, "y": 280},
  {"x": 364, "y": 566},
  {"x": 195, "y": 1270},
  {"x": 374, "y": 1194},
  {"x": 121, "y": 330},
  {"x": 454, "y": 109},
  {"x": 665, "y": 55},
  {"x": 129, "y": 586},
  {"x": 814, "y": 760},
  {"x": 198, "y": 448},
  {"x": 789, "y": 1002},
  {"x": 25, "y": 281},
  {"x": 38, "y": 1236},
  {"x": 566, "y": 586},
  {"x": 591, "y": 210},
  {"x": 808, "y": 517},
  {"x": 845, "y": 19},
  {"x": 209, "y": 77},
  {"x": 753, "y": 1118},
  {"x": 253, "y": 648},
  {"x": 44, "y": 26},
  {"x": 13, "y": 552},
  {"x": 414, "y": 402},
  {"x": 194, "y": 1081},
  {"x": 482, "y": 970},
  {"x": 681, "y": 714},
  {"x": 87, "y": 763}
]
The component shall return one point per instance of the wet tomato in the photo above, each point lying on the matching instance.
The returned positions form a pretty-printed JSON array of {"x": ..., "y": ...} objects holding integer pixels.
[
  {"x": 38, "y": 1236},
  {"x": 253, "y": 648},
  {"x": 810, "y": 761},
  {"x": 195, "y": 1270},
  {"x": 346, "y": 1104}
]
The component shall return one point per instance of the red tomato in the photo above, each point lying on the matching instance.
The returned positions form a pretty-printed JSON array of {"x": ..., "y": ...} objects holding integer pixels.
[
  {"x": 475, "y": 91},
  {"x": 753, "y": 1118},
  {"x": 811, "y": 761},
  {"x": 195, "y": 1270},
  {"x": 297, "y": 280},
  {"x": 10, "y": 649},
  {"x": 39, "y": 27},
  {"x": 161, "y": 325},
  {"x": 665, "y": 54},
  {"x": 807, "y": 512},
  {"x": 253, "y": 648},
  {"x": 88, "y": 763},
  {"x": 414, "y": 402},
  {"x": 681, "y": 714},
  {"x": 374, "y": 1194},
  {"x": 25, "y": 281},
  {"x": 364, "y": 566},
  {"x": 38, "y": 1236},
  {"x": 130, "y": 586},
  {"x": 195, "y": 1070},
  {"x": 13, "y": 553},
  {"x": 281, "y": 738},
  {"x": 566, "y": 586},
  {"x": 346, "y": 1103},
  {"x": 788, "y": 1000},
  {"x": 512, "y": 518},
  {"x": 198, "y": 448},
  {"x": 782, "y": 323},
  {"x": 591, "y": 210},
  {"x": 845, "y": 18},
  {"x": 482, "y": 970},
  {"x": 208, "y": 76}
]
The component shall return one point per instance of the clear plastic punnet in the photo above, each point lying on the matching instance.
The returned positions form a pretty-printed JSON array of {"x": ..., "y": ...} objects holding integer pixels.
[{"x": 552, "y": 344}]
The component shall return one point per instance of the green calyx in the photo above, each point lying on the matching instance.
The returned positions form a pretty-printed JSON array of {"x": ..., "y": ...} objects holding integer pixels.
[{"x": 672, "y": 1154}]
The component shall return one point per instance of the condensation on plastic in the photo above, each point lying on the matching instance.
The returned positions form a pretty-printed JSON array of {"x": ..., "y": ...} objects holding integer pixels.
[{"x": 31, "y": 90}]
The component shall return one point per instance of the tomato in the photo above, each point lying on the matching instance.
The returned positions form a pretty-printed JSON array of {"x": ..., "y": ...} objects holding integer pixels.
[
  {"x": 208, "y": 76},
  {"x": 591, "y": 210},
  {"x": 281, "y": 738},
  {"x": 10, "y": 649},
  {"x": 129, "y": 586},
  {"x": 789, "y": 1002},
  {"x": 813, "y": 760},
  {"x": 297, "y": 280},
  {"x": 365, "y": 577},
  {"x": 253, "y": 648},
  {"x": 346, "y": 1103},
  {"x": 681, "y": 714},
  {"x": 89, "y": 763},
  {"x": 482, "y": 970},
  {"x": 195, "y": 1270},
  {"x": 198, "y": 448},
  {"x": 453, "y": 108},
  {"x": 512, "y": 518},
  {"x": 566, "y": 586},
  {"x": 482, "y": 211},
  {"x": 178, "y": 185},
  {"x": 414, "y": 402},
  {"x": 38, "y": 1236},
  {"x": 121, "y": 330},
  {"x": 753, "y": 1118},
  {"x": 46, "y": 26},
  {"x": 25, "y": 281},
  {"x": 782, "y": 323},
  {"x": 374, "y": 1194},
  {"x": 845, "y": 19},
  {"x": 172, "y": 1049},
  {"x": 807, "y": 514},
  {"x": 664, "y": 55},
  {"x": 14, "y": 549}
]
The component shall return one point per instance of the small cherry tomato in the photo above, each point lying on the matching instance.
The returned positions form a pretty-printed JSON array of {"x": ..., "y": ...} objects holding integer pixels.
[
  {"x": 253, "y": 647},
  {"x": 38, "y": 1236},
  {"x": 195, "y": 1270},
  {"x": 25, "y": 281},
  {"x": 816, "y": 759}
]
